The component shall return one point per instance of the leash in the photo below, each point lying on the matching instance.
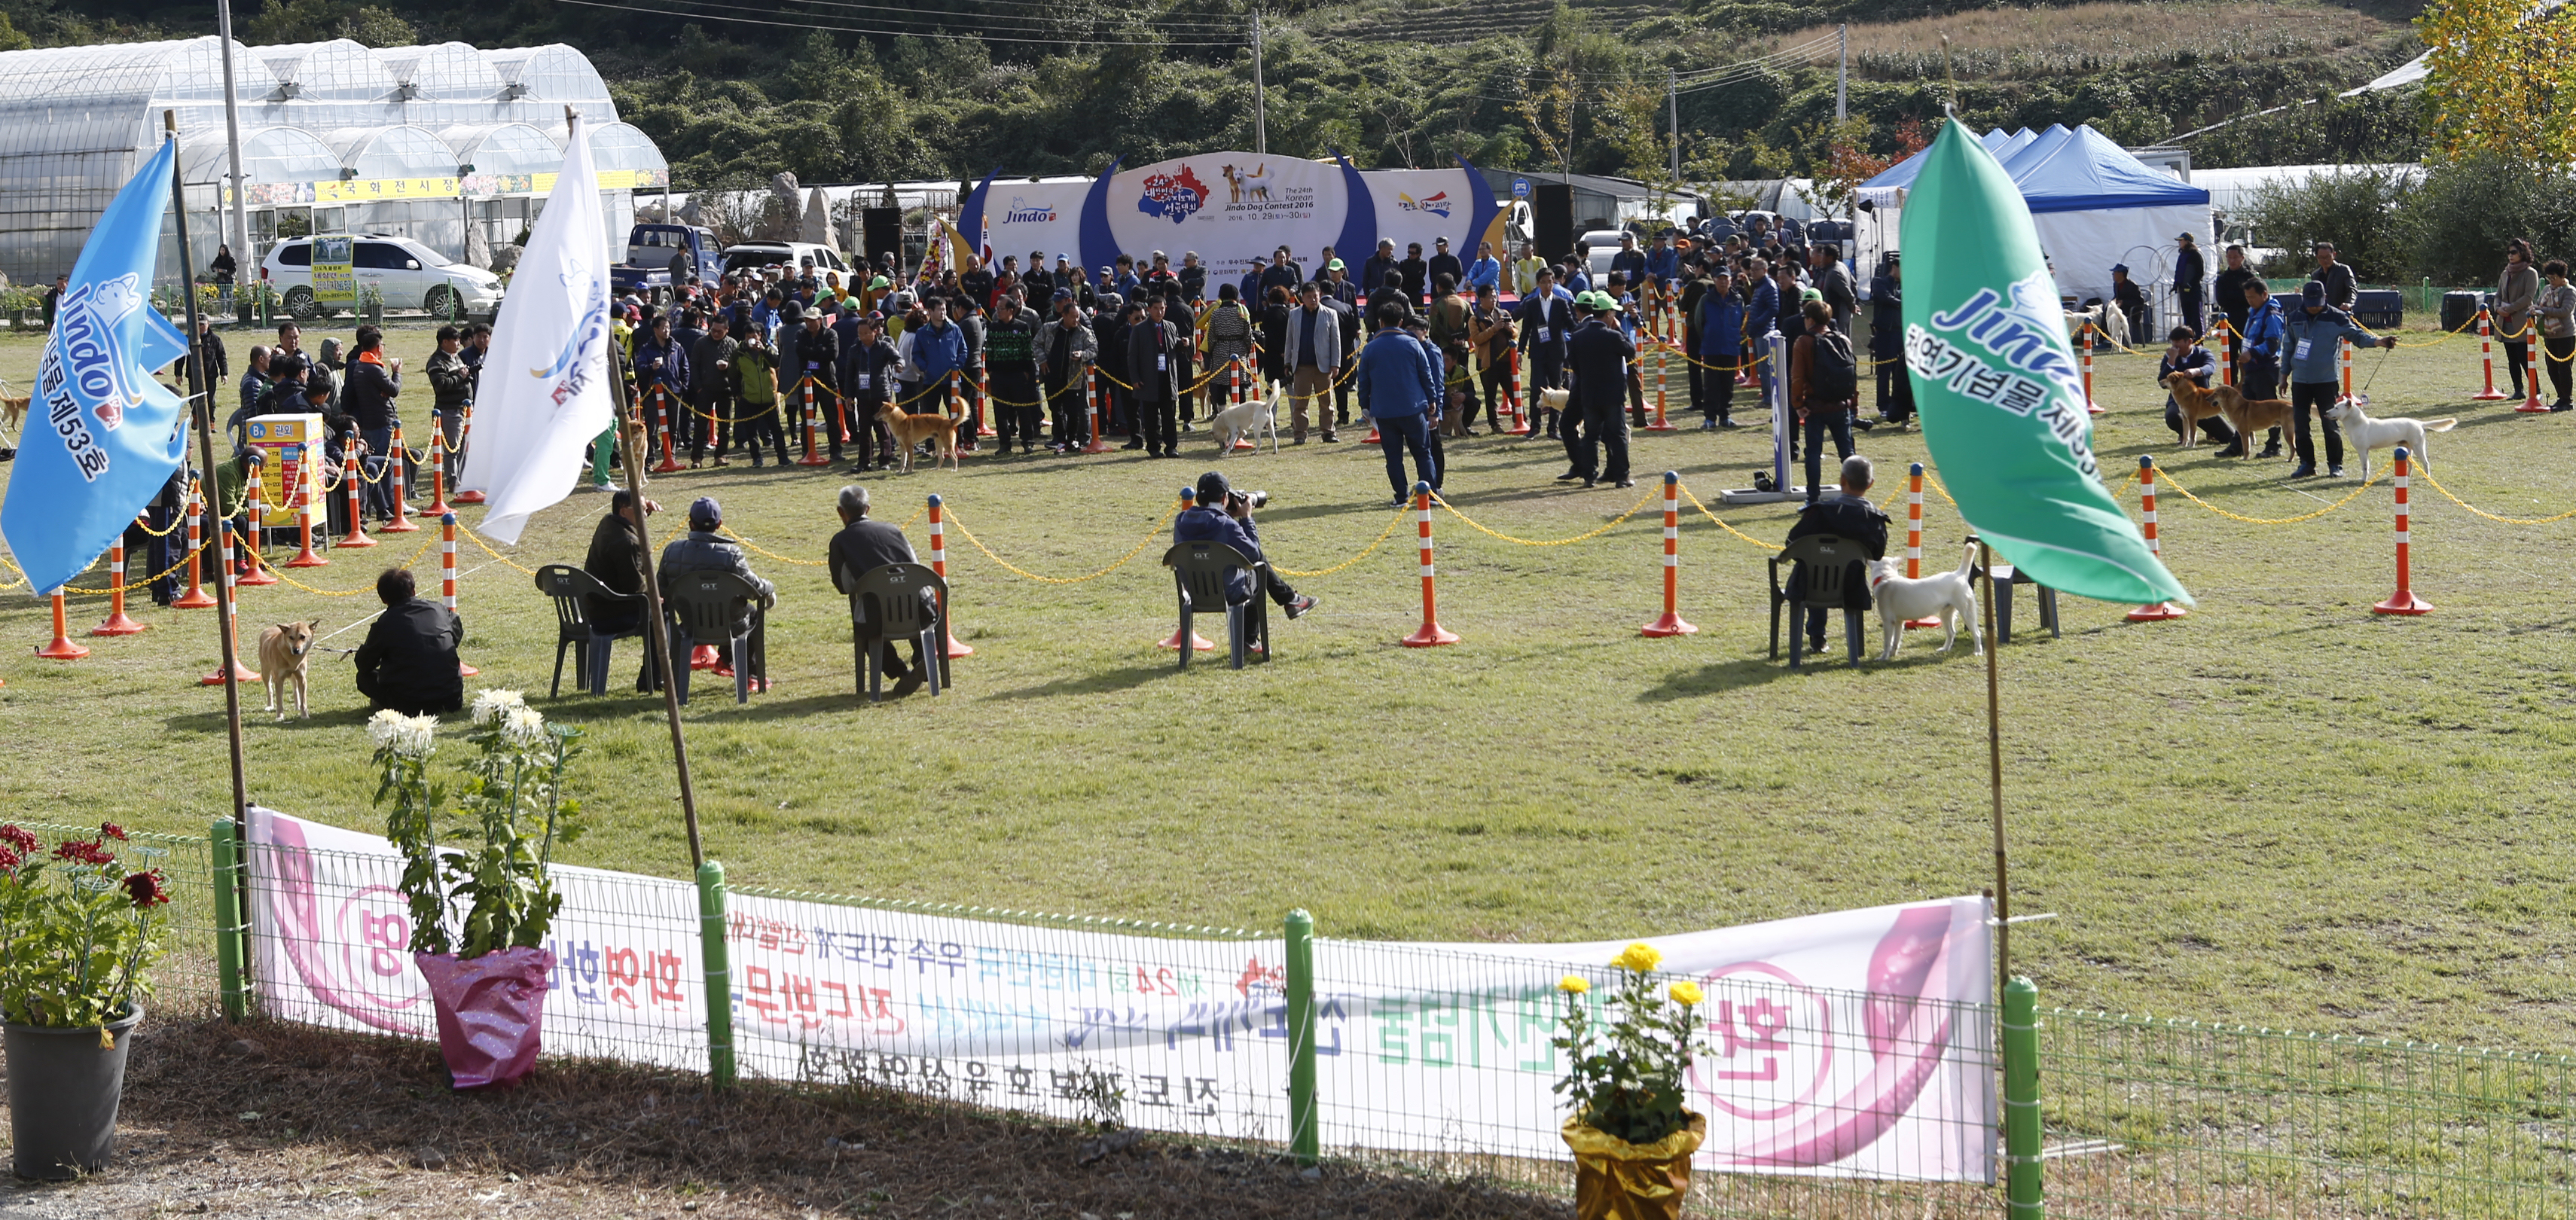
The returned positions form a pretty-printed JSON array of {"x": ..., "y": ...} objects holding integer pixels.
[{"x": 2381, "y": 363}]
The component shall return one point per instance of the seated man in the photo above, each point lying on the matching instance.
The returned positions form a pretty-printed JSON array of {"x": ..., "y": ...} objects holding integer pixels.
[
  {"x": 409, "y": 662},
  {"x": 702, "y": 550},
  {"x": 1849, "y": 515},
  {"x": 2184, "y": 354},
  {"x": 1223, "y": 515},
  {"x": 861, "y": 547},
  {"x": 616, "y": 557}
]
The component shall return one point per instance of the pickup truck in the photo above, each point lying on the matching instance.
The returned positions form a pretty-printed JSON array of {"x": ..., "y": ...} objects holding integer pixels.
[{"x": 657, "y": 256}]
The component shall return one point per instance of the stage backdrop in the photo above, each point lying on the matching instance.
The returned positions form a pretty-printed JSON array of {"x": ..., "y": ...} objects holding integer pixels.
[{"x": 1232, "y": 207}]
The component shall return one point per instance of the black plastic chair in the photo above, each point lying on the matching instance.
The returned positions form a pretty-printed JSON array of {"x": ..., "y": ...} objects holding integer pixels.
[
  {"x": 573, "y": 591},
  {"x": 1834, "y": 567},
  {"x": 711, "y": 606},
  {"x": 1999, "y": 584},
  {"x": 910, "y": 603},
  {"x": 1199, "y": 572}
]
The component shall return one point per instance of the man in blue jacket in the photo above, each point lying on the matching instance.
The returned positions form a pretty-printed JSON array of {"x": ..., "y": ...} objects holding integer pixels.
[
  {"x": 2313, "y": 333},
  {"x": 1396, "y": 390},
  {"x": 939, "y": 347},
  {"x": 1629, "y": 261},
  {"x": 1223, "y": 516},
  {"x": 1721, "y": 348},
  {"x": 1663, "y": 263},
  {"x": 1379, "y": 268},
  {"x": 2261, "y": 350}
]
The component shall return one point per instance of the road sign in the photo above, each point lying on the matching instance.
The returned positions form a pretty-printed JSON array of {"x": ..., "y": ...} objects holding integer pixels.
[{"x": 1520, "y": 188}]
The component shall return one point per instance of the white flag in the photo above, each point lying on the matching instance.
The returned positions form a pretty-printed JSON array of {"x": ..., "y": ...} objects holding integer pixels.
[{"x": 545, "y": 392}]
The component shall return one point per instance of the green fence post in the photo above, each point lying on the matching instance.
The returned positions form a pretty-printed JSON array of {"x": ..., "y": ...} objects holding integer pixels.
[
  {"x": 719, "y": 974},
  {"x": 230, "y": 928},
  {"x": 2022, "y": 1186},
  {"x": 1304, "y": 1136}
]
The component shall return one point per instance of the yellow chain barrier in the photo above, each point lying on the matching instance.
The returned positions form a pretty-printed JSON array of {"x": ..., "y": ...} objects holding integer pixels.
[
  {"x": 1615, "y": 522},
  {"x": 1159, "y": 530},
  {"x": 132, "y": 585},
  {"x": 2454, "y": 333},
  {"x": 1703, "y": 511},
  {"x": 2187, "y": 494},
  {"x": 2427, "y": 474},
  {"x": 487, "y": 549},
  {"x": 756, "y": 547},
  {"x": 178, "y": 521},
  {"x": 425, "y": 544},
  {"x": 1382, "y": 535}
]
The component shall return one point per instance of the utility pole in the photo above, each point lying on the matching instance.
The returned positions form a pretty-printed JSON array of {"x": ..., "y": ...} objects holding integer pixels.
[
  {"x": 1842, "y": 75},
  {"x": 240, "y": 227},
  {"x": 1260, "y": 108},
  {"x": 1673, "y": 119}
]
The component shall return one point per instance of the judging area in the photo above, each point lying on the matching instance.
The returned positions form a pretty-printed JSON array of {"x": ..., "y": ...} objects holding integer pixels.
[{"x": 2177, "y": 787}]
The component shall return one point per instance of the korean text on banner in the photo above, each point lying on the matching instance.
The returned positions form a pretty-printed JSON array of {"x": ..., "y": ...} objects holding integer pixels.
[{"x": 1852, "y": 1044}]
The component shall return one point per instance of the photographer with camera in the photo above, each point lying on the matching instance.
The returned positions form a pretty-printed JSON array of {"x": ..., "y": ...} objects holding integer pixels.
[{"x": 1223, "y": 514}]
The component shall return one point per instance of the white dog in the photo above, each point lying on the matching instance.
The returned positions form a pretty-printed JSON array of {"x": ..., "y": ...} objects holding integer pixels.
[
  {"x": 1949, "y": 594},
  {"x": 1249, "y": 419},
  {"x": 2367, "y": 434}
]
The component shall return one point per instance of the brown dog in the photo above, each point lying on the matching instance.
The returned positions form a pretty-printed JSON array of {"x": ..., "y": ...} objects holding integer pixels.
[
  {"x": 283, "y": 649},
  {"x": 2195, "y": 403},
  {"x": 13, "y": 414},
  {"x": 2249, "y": 416},
  {"x": 910, "y": 430}
]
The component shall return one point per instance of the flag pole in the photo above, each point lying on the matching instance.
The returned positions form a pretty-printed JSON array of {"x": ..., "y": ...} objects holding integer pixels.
[
  {"x": 1995, "y": 776},
  {"x": 201, "y": 399},
  {"x": 658, "y": 638}
]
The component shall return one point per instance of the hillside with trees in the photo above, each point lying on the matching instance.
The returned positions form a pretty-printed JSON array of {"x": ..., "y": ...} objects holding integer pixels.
[{"x": 840, "y": 91}]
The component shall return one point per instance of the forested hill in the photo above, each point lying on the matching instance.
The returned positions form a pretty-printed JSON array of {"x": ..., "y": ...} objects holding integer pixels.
[{"x": 862, "y": 90}]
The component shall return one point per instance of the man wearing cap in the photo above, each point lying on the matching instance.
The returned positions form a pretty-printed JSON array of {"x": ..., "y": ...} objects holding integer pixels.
[
  {"x": 873, "y": 365},
  {"x": 1337, "y": 282},
  {"x": 1629, "y": 261},
  {"x": 1065, "y": 348},
  {"x": 1720, "y": 325},
  {"x": 1663, "y": 264},
  {"x": 1442, "y": 262},
  {"x": 1598, "y": 356},
  {"x": 2314, "y": 333},
  {"x": 2132, "y": 301},
  {"x": 711, "y": 389},
  {"x": 2188, "y": 275},
  {"x": 1413, "y": 274},
  {"x": 1193, "y": 274},
  {"x": 702, "y": 549},
  {"x": 1311, "y": 354},
  {"x": 1161, "y": 274},
  {"x": 818, "y": 356},
  {"x": 1397, "y": 391},
  {"x": 1222, "y": 516},
  {"x": 1010, "y": 360}
]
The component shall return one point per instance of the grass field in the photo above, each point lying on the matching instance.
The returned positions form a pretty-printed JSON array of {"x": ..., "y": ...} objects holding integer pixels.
[{"x": 2281, "y": 810}]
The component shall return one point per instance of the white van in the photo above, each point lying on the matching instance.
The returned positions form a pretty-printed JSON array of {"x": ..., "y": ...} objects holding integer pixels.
[
  {"x": 408, "y": 274},
  {"x": 754, "y": 255}
]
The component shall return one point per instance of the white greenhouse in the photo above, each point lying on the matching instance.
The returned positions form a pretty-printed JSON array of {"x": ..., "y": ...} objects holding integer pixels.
[{"x": 449, "y": 145}]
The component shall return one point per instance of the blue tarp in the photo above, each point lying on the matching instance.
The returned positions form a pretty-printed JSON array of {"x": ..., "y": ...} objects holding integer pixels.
[{"x": 2065, "y": 170}]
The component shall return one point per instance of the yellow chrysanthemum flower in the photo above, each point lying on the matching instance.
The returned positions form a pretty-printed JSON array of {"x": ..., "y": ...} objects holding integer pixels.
[
  {"x": 1640, "y": 957},
  {"x": 1574, "y": 984},
  {"x": 1687, "y": 993}
]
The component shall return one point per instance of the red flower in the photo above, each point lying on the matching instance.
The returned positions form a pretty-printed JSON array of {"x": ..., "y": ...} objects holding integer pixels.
[
  {"x": 146, "y": 889},
  {"x": 10, "y": 860},
  {"x": 112, "y": 830},
  {"x": 18, "y": 838},
  {"x": 81, "y": 851}
]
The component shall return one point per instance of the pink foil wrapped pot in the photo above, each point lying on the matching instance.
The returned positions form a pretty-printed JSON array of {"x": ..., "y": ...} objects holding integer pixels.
[{"x": 490, "y": 1010}]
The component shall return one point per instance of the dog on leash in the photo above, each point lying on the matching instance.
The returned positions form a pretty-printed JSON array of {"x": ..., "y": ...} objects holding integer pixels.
[
  {"x": 2251, "y": 417},
  {"x": 1951, "y": 595},
  {"x": 283, "y": 650},
  {"x": 1248, "y": 419},
  {"x": 1548, "y": 400},
  {"x": 910, "y": 430},
  {"x": 2195, "y": 403},
  {"x": 13, "y": 413},
  {"x": 2366, "y": 434}
]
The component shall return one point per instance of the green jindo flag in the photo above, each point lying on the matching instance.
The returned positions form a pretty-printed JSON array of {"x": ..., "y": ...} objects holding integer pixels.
[{"x": 1997, "y": 385}]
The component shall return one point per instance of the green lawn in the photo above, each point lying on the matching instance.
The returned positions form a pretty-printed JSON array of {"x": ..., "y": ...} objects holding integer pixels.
[{"x": 2281, "y": 810}]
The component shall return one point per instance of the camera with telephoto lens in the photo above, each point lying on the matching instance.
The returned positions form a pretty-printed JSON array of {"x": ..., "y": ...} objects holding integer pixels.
[{"x": 1250, "y": 499}]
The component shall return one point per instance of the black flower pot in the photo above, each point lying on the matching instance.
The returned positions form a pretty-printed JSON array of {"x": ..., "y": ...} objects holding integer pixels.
[{"x": 63, "y": 1091}]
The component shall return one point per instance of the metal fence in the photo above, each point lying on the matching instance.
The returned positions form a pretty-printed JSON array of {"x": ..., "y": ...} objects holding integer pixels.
[{"x": 2153, "y": 1118}]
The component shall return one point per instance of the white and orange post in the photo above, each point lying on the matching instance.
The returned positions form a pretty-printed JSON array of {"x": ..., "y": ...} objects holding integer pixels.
[
  {"x": 2343, "y": 367},
  {"x": 447, "y": 577},
  {"x": 662, "y": 425},
  {"x": 1914, "y": 537},
  {"x": 1663, "y": 365},
  {"x": 464, "y": 441},
  {"x": 62, "y": 648},
  {"x": 2486, "y": 359},
  {"x": 299, "y": 504},
  {"x": 2091, "y": 407},
  {"x": 438, "y": 506},
  {"x": 1431, "y": 634},
  {"x": 939, "y": 565},
  {"x": 1092, "y": 399},
  {"x": 256, "y": 511},
  {"x": 1197, "y": 642},
  {"x": 117, "y": 623},
  {"x": 352, "y": 474},
  {"x": 1512, "y": 390},
  {"x": 1671, "y": 622},
  {"x": 2219, "y": 331},
  {"x": 232, "y": 608},
  {"x": 2158, "y": 611},
  {"x": 397, "y": 463},
  {"x": 805, "y": 407},
  {"x": 2403, "y": 601},
  {"x": 2531, "y": 348},
  {"x": 196, "y": 598}
]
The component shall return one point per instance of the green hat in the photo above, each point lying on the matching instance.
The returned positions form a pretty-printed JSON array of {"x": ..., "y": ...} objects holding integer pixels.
[
  {"x": 879, "y": 282},
  {"x": 1810, "y": 294},
  {"x": 1587, "y": 300},
  {"x": 1605, "y": 302},
  {"x": 1335, "y": 265}
]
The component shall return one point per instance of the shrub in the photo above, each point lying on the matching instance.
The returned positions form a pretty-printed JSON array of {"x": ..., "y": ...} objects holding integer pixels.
[
  {"x": 2466, "y": 210},
  {"x": 2363, "y": 210}
]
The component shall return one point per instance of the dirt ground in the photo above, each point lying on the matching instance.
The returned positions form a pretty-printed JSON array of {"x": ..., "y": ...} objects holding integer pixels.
[{"x": 287, "y": 1121}]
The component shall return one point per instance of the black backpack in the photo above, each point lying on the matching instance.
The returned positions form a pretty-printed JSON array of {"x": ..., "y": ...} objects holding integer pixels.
[{"x": 1831, "y": 376}]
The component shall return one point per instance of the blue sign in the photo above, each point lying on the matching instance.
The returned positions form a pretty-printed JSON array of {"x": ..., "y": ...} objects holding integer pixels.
[{"x": 1520, "y": 188}]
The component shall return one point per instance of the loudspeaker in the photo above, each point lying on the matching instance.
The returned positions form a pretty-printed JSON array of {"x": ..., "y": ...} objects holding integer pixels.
[
  {"x": 1552, "y": 214},
  {"x": 881, "y": 233}
]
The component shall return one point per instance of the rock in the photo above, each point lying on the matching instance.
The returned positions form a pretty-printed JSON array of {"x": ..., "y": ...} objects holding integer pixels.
[
  {"x": 1311, "y": 1174},
  {"x": 244, "y": 1048},
  {"x": 426, "y": 1157}
]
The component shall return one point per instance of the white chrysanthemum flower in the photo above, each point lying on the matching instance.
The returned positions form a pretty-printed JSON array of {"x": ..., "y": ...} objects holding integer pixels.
[
  {"x": 382, "y": 726},
  {"x": 523, "y": 726},
  {"x": 491, "y": 703},
  {"x": 408, "y": 736}
]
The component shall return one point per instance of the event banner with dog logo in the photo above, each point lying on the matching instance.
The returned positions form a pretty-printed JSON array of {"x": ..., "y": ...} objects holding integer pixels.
[
  {"x": 1850, "y": 1044},
  {"x": 2001, "y": 395}
]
